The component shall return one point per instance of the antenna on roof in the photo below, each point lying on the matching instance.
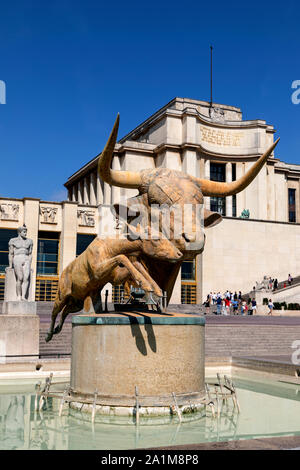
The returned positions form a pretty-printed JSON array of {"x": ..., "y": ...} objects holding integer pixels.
[{"x": 211, "y": 79}]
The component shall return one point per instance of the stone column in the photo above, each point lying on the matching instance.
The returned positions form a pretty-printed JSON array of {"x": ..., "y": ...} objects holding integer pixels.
[
  {"x": 74, "y": 192},
  {"x": 85, "y": 191},
  {"x": 176, "y": 295},
  {"x": 107, "y": 194},
  {"x": 99, "y": 191},
  {"x": 93, "y": 198},
  {"x": 68, "y": 237},
  {"x": 169, "y": 159},
  {"x": 201, "y": 166},
  {"x": 79, "y": 192},
  {"x": 229, "y": 198},
  {"x": 31, "y": 220},
  {"x": 190, "y": 162}
]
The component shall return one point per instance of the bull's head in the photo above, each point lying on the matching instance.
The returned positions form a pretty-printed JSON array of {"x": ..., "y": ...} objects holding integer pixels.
[{"x": 169, "y": 187}]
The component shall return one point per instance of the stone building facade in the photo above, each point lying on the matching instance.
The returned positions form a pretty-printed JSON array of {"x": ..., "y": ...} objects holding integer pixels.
[{"x": 186, "y": 135}]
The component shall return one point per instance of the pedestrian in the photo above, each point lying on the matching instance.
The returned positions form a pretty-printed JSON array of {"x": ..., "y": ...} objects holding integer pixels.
[
  {"x": 224, "y": 312},
  {"x": 271, "y": 306},
  {"x": 219, "y": 305},
  {"x": 270, "y": 283},
  {"x": 249, "y": 307},
  {"x": 253, "y": 302},
  {"x": 227, "y": 305},
  {"x": 290, "y": 279},
  {"x": 275, "y": 284},
  {"x": 207, "y": 305},
  {"x": 243, "y": 307},
  {"x": 235, "y": 307}
]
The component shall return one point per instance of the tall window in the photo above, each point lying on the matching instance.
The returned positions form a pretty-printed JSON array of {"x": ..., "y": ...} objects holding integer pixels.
[
  {"x": 5, "y": 236},
  {"x": 188, "y": 270},
  {"x": 83, "y": 241},
  {"x": 218, "y": 173},
  {"x": 188, "y": 284},
  {"x": 47, "y": 255},
  {"x": 292, "y": 205}
]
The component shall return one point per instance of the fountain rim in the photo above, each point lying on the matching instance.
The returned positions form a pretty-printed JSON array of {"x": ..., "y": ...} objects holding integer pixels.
[{"x": 126, "y": 318}]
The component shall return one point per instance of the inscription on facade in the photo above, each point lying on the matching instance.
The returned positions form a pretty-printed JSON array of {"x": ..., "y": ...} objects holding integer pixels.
[
  {"x": 86, "y": 218},
  {"x": 48, "y": 215},
  {"x": 9, "y": 211},
  {"x": 219, "y": 137}
]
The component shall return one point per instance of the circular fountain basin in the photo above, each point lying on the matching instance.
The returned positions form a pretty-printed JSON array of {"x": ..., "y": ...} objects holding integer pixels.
[{"x": 120, "y": 359}]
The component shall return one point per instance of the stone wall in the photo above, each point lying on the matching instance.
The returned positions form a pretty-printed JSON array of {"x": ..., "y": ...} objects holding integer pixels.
[{"x": 240, "y": 252}]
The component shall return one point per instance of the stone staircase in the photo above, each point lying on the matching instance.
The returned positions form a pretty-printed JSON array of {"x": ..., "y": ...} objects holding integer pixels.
[
  {"x": 60, "y": 345},
  {"x": 296, "y": 280},
  {"x": 250, "y": 340},
  {"x": 225, "y": 336},
  {"x": 245, "y": 337}
]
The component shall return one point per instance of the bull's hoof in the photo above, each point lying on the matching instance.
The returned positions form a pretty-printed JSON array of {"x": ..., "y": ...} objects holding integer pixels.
[{"x": 48, "y": 337}]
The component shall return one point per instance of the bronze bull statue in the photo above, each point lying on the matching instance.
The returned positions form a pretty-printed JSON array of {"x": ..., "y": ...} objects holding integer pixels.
[{"x": 108, "y": 260}]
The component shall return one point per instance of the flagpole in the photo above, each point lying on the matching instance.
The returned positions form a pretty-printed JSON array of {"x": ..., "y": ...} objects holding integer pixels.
[{"x": 211, "y": 76}]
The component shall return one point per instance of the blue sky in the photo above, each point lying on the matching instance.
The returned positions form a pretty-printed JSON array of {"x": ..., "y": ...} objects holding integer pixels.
[{"x": 70, "y": 66}]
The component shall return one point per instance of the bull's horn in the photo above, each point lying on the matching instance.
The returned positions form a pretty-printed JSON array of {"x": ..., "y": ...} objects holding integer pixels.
[
  {"x": 123, "y": 179},
  {"x": 213, "y": 188}
]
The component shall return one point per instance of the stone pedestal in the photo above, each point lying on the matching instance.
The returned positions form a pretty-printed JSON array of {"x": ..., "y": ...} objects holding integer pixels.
[
  {"x": 159, "y": 354},
  {"x": 19, "y": 324},
  {"x": 19, "y": 336},
  {"x": 19, "y": 308}
]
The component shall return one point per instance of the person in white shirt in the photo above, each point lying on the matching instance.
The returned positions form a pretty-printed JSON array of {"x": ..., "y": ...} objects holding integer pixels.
[{"x": 271, "y": 306}]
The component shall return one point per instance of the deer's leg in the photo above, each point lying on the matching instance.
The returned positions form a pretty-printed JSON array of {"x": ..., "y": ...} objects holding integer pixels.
[
  {"x": 156, "y": 289},
  {"x": 58, "y": 306},
  {"x": 74, "y": 305},
  {"x": 106, "y": 267}
]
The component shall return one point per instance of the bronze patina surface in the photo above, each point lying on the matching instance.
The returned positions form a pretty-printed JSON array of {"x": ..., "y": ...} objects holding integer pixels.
[{"x": 134, "y": 260}]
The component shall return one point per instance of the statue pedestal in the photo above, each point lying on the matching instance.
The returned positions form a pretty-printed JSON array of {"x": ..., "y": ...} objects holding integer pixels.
[
  {"x": 159, "y": 354},
  {"x": 19, "y": 337},
  {"x": 16, "y": 307},
  {"x": 19, "y": 324}
]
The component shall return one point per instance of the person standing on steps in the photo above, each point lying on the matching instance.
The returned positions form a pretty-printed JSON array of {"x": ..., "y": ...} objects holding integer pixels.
[
  {"x": 271, "y": 306},
  {"x": 253, "y": 302}
]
